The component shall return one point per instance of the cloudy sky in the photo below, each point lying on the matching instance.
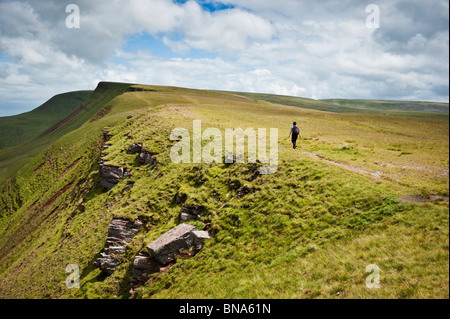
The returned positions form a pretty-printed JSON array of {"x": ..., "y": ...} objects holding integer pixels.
[{"x": 315, "y": 49}]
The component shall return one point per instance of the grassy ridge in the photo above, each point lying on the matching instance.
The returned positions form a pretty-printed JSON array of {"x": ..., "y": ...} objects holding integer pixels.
[
  {"x": 432, "y": 110},
  {"x": 18, "y": 129},
  {"x": 308, "y": 231},
  {"x": 30, "y": 144}
]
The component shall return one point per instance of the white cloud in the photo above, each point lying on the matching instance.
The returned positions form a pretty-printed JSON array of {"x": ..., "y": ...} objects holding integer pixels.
[{"x": 319, "y": 49}]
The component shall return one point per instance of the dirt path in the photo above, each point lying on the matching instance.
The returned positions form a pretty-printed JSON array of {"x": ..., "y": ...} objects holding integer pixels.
[
  {"x": 379, "y": 175},
  {"x": 355, "y": 169}
]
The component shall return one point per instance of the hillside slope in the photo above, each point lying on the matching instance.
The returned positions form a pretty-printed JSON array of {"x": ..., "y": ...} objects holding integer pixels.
[
  {"x": 433, "y": 110},
  {"x": 30, "y": 133},
  {"x": 18, "y": 129},
  {"x": 307, "y": 231}
]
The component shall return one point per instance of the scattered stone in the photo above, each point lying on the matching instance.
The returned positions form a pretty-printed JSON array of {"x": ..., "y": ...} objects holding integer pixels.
[
  {"x": 199, "y": 237},
  {"x": 106, "y": 135},
  {"x": 143, "y": 266},
  {"x": 110, "y": 175},
  {"x": 172, "y": 243},
  {"x": 129, "y": 185},
  {"x": 129, "y": 117},
  {"x": 120, "y": 233},
  {"x": 160, "y": 254},
  {"x": 147, "y": 158},
  {"x": 135, "y": 148},
  {"x": 185, "y": 215}
]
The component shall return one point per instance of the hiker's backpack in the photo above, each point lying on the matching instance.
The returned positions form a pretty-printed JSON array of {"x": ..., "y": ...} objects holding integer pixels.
[{"x": 296, "y": 129}]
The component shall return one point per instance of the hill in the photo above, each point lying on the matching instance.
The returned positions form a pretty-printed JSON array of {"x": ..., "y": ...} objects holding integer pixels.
[
  {"x": 25, "y": 135},
  {"x": 396, "y": 108},
  {"x": 18, "y": 129},
  {"x": 367, "y": 190}
]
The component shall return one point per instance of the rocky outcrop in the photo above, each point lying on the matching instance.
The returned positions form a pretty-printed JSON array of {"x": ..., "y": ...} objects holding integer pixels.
[
  {"x": 143, "y": 266},
  {"x": 134, "y": 149},
  {"x": 160, "y": 254},
  {"x": 110, "y": 175},
  {"x": 120, "y": 233},
  {"x": 189, "y": 213},
  {"x": 172, "y": 243},
  {"x": 199, "y": 237},
  {"x": 147, "y": 158},
  {"x": 106, "y": 135}
]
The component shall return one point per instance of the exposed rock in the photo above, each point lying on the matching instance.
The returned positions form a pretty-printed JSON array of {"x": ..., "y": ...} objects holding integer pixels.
[
  {"x": 135, "y": 148},
  {"x": 129, "y": 117},
  {"x": 110, "y": 175},
  {"x": 172, "y": 243},
  {"x": 143, "y": 266},
  {"x": 106, "y": 135},
  {"x": 160, "y": 254},
  {"x": 147, "y": 158},
  {"x": 199, "y": 237},
  {"x": 194, "y": 210},
  {"x": 185, "y": 215},
  {"x": 120, "y": 233},
  {"x": 180, "y": 198}
]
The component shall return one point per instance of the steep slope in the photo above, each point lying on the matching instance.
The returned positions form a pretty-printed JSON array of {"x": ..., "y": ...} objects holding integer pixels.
[
  {"x": 18, "y": 129},
  {"x": 30, "y": 133},
  {"x": 309, "y": 230}
]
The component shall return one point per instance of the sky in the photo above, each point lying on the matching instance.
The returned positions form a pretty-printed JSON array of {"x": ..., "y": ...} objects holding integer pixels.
[{"x": 314, "y": 49}]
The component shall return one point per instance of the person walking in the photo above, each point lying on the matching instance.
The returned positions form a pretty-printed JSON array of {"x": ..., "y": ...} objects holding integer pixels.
[{"x": 295, "y": 132}]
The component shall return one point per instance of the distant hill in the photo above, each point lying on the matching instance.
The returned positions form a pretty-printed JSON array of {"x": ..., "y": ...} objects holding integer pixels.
[
  {"x": 23, "y": 136},
  {"x": 434, "y": 110},
  {"x": 18, "y": 129}
]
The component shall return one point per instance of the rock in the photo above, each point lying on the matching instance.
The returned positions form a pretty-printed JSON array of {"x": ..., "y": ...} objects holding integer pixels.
[
  {"x": 171, "y": 243},
  {"x": 147, "y": 158},
  {"x": 106, "y": 135},
  {"x": 120, "y": 233},
  {"x": 143, "y": 266},
  {"x": 185, "y": 215},
  {"x": 110, "y": 175},
  {"x": 134, "y": 149},
  {"x": 129, "y": 117},
  {"x": 199, "y": 237}
]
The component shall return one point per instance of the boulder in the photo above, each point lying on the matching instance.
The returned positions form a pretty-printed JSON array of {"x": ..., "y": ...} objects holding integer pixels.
[
  {"x": 120, "y": 233},
  {"x": 199, "y": 237},
  {"x": 143, "y": 266},
  {"x": 110, "y": 175},
  {"x": 106, "y": 135},
  {"x": 172, "y": 243},
  {"x": 134, "y": 149},
  {"x": 185, "y": 215},
  {"x": 147, "y": 158}
]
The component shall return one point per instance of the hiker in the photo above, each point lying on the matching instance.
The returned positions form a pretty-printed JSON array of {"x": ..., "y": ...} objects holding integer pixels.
[{"x": 295, "y": 131}]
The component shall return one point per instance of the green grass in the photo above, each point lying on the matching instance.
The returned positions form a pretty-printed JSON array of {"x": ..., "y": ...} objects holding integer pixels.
[
  {"x": 18, "y": 129},
  {"x": 40, "y": 127},
  {"x": 432, "y": 110},
  {"x": 308, "y": 231}
]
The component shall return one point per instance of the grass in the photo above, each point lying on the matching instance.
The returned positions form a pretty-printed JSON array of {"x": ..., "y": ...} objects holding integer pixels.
[
  {"x": 433, "y": 110},
  {"x": 36, "y": 130},
  {"x": 18, "y": 129},
  {"x": 308, "y": 231}
]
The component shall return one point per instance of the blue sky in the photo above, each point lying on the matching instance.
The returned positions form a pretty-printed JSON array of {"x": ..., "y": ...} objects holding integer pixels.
[{"x": 314, "y": 49}]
